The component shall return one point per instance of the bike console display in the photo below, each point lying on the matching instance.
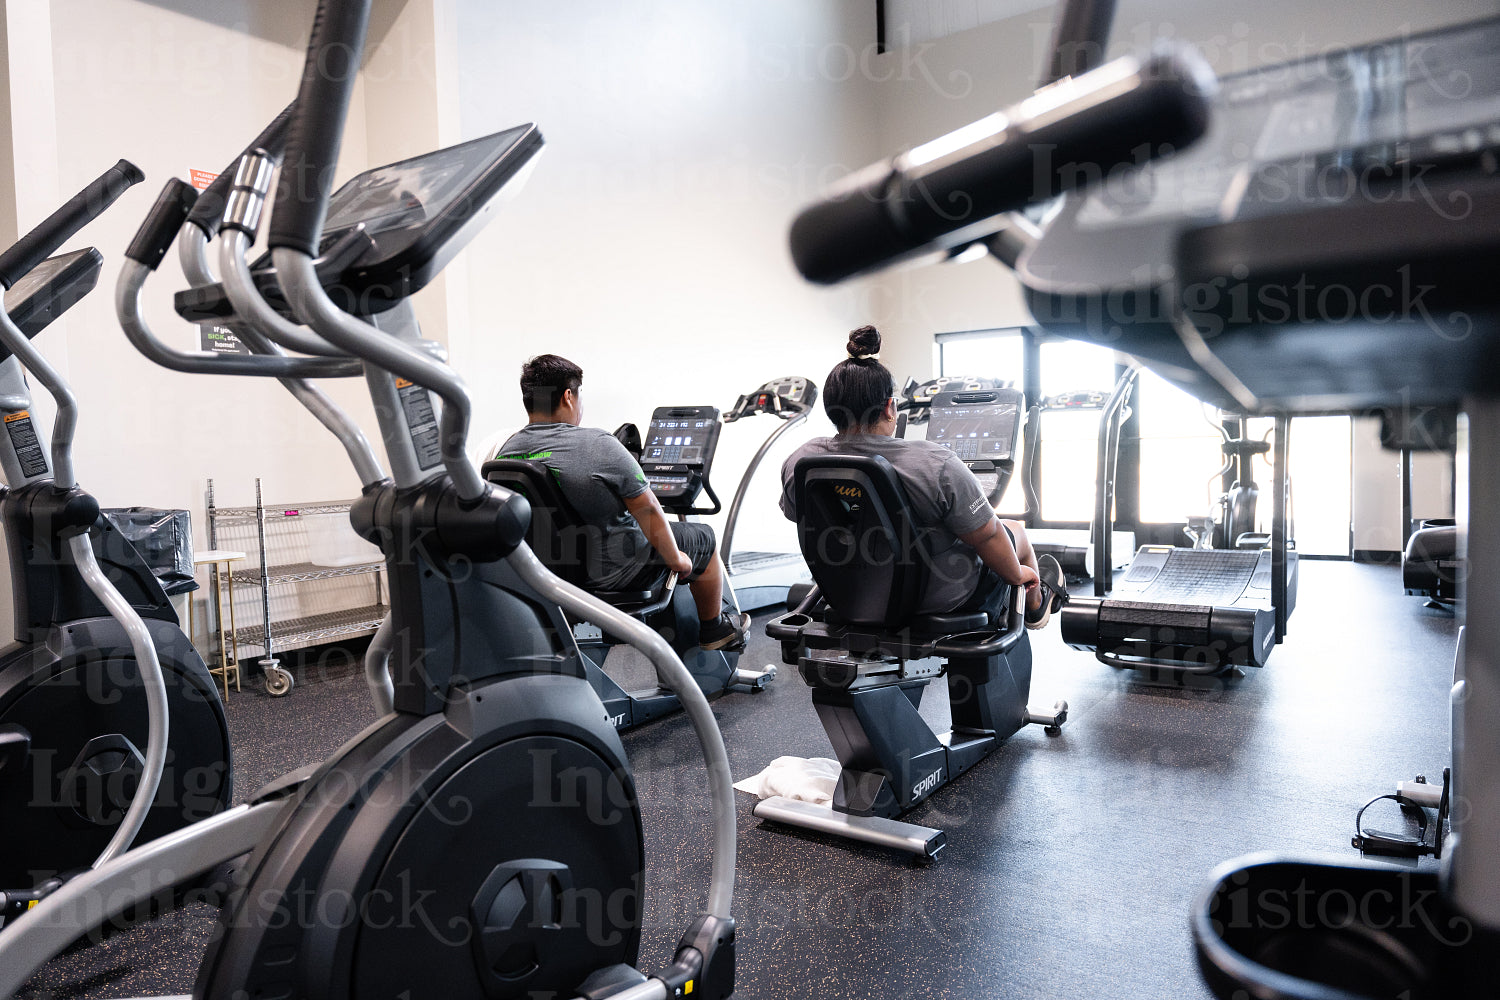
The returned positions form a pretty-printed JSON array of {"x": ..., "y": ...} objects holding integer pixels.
[
  {"x": 677, "y": 455},
  {"x": 390, "y": 230},
  {"x": 981, "y": 427}
]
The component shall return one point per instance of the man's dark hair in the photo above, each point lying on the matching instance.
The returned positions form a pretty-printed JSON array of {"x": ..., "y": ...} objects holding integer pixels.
[{"x": 544, "y": 379}]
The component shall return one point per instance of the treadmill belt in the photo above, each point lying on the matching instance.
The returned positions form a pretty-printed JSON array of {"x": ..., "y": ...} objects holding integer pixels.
[
  {"x": 745, "y": 561},
  {"x": 1192, "y": 576}
]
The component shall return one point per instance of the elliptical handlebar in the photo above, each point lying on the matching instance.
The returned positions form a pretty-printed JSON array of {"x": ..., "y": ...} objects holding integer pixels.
[
  {"x": 956, "y": 189},
  {"x": 144, "y": 254},
  {"x": 84, "y": 207},
  {"x": 208, "y": 212},
  {"x": 316, "y": 127},
  {"x": 20, "y": 259}
]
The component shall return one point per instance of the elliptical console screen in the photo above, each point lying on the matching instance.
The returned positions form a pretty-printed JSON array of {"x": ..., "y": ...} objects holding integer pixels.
[
  {"x": 417, "y": 215},
  {"x": 1280, "y": 129},
  {"x": 415, "y": 191},
  {"x": 50, "y": 289},
  {"x": 975, "y": 433}
]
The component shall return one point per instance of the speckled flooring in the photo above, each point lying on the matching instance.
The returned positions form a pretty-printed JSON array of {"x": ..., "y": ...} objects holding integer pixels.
[{"x": 1072, "y": 861}]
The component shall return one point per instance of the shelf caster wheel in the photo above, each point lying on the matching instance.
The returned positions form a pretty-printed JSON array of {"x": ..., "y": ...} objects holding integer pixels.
[{"x": 278, "y": 681}]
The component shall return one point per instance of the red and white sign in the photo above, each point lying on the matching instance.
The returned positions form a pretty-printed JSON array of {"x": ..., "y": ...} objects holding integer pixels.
[{"x": 202, "y": 178}]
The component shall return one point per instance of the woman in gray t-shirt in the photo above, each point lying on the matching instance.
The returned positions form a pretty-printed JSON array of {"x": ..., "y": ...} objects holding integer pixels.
[{"x": 975, "y": 553}]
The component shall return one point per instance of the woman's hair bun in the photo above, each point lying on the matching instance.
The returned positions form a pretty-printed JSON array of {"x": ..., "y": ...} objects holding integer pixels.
[{"x": 865, "y": 340}]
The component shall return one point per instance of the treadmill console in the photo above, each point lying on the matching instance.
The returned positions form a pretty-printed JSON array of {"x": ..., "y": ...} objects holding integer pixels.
[
  {"x": 982, "y": 428},
  {"x": 785, "y": 397},
  {"x": 1077, "y": 399},
  {"x": 390, "y": 230},
  {"x": 916, "y": 397},
  {"x": 678, "y": 452}
]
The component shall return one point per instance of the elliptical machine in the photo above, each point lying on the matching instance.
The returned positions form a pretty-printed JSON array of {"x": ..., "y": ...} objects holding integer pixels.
[
  {"x": 75, "y": 735},
  {"x": 533, "y": 884}
]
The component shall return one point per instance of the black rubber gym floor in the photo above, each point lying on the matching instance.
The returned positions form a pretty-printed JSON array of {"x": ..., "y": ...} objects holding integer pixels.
[{"x": 1072, "y": 862}]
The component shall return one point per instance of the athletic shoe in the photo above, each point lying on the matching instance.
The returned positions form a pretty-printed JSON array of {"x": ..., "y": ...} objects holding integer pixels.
[
  {"x": 724, "y": 632},
  {"x": 1054, "y": 592}
]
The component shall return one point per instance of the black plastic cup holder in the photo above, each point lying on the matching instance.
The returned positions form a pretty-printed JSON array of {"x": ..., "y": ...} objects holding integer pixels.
[{"x": 1271, "y": 928}]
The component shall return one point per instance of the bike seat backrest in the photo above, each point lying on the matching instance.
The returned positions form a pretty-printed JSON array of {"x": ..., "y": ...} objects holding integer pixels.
[
  {"x": 860, "y": 539},
  {"x": 558, "y": 535}
]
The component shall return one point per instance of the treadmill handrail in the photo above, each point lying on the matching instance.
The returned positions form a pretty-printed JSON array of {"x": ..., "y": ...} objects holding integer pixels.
[
  {"x": 1104, "y": 491},
  {"x": 726, "y": 548}
]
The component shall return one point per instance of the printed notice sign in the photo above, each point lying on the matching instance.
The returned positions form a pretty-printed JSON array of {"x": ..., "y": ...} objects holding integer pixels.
[
  {"x": 220, "y": 339},
  {"x": 416, "y": 402},
  {"x": 202, "y": 178},
  {"x": 23, "y": 440}
]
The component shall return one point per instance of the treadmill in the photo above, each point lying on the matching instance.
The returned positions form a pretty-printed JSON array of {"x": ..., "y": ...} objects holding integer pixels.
[
  {"x": 761, "y": 579},
  {"x": 1179, "y": 611}
]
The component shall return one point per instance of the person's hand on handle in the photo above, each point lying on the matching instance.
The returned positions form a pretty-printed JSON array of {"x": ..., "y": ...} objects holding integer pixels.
[
  {"x": 681, "y": 564},
  {"x": 1026, "y": 577}
]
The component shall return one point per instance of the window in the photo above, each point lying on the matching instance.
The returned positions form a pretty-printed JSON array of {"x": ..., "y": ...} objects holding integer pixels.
[
  {"x": 1182, "y": 467},
  {"x": 998, "y": 354},
  {"x": 1070, "y": 438},
  {"x": 987, "y": 353},
  {"x": 1181, "y": 459}
]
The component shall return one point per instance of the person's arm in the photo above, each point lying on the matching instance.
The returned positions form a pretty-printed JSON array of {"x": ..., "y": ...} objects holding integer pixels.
[
  {"x": 646, "y": 510},
  {"x": 996, "y": 551}
]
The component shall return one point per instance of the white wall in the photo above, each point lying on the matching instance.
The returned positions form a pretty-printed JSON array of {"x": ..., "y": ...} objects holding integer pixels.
[{"x": 650, "y": 243}]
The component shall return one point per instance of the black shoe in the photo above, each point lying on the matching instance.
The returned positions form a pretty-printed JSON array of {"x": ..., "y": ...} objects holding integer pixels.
[
  {"x": 1054, "y": 592},
  {"x": 724, "y": 632}
]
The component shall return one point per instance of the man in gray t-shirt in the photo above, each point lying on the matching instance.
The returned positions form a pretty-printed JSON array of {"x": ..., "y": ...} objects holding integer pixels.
[{"x": 632, "y": 545}]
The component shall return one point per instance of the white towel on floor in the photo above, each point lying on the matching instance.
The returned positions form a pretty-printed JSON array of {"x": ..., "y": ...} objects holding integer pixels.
[{"x": 801, "y": 778}]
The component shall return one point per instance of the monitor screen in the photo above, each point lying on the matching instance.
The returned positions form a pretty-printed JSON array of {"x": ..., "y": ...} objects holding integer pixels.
[
  {"x": 415, "y": 190},
  {"x": 677, "y": 441},
  {"x": 986, "y": 432}
]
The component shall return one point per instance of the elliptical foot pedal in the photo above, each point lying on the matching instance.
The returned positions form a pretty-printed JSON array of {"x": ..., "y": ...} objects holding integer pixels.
[{"x": 923, "y": 841}]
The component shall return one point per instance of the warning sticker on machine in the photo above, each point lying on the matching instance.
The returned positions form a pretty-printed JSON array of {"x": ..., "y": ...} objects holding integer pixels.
[
  {"x": 416, "y": 402},
  {"x": 23, "y": 440}
]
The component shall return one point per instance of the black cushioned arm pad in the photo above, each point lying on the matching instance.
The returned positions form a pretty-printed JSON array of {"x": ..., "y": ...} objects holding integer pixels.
[
  {"x": 163, "y": 222},
  {"x": 83, "y": 208},
  {"x": 317, "y": 129},
  {"x": 208, "y": 213}
]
